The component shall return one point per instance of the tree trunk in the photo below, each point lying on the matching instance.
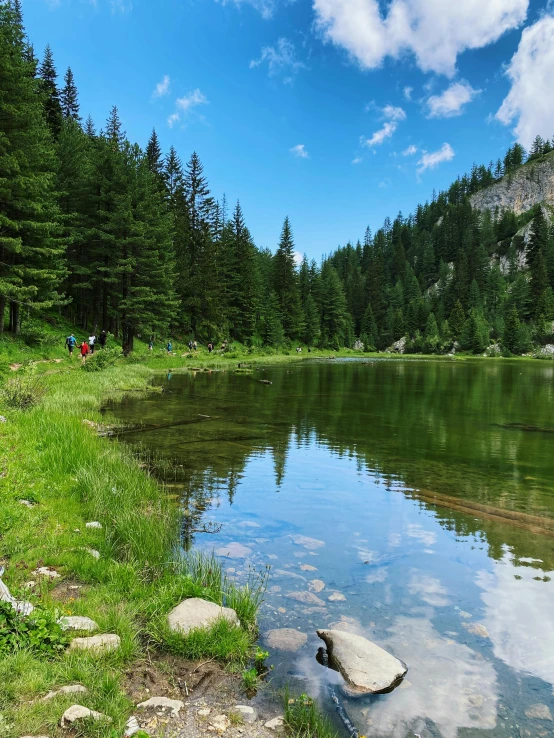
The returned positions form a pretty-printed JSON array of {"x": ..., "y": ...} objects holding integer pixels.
[
  {"x": 2, "y": 312},
  {"x": 15, "y": 318},
  {"x": 128, "y": 338}
]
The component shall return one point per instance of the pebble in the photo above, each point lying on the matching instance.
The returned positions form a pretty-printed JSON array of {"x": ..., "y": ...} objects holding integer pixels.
[
  {"x": 131, "y": 728},
  {"x": 204, "y": 713},
  {"x": 220, "y": 723},
  {"x": 94, "y": 524},
  {"x": 248, "y": 714},
  {"x": 276, "y": 724},
  {"x": 307, "y": 598},
  {"x": 27, "y": 503},
  {"x": 93, "y": 552},
  {"x": 78, "y": 712}
]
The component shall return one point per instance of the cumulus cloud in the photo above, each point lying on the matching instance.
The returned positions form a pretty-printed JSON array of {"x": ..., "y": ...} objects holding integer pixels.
[
  {"x": 451, "y": 102},
  {"x": 185, "y": 105},
  {"x": 357, "y": 160},
  {"x": 410, "y": 151},
  {"x": 300, "y": 151},
  {"x": 162, "y": 88},
  {"x": 280, "y": 59},
  {"x": 393, "y": 116},
  {"x": 430, "y": 160},
  {"x": 530, "y": 102},
  {"x": 435, "y": 32},
  {"x": 408, "y": 92}
]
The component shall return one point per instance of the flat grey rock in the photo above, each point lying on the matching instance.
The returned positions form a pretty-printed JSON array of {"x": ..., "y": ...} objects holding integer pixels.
[
  {"x": 69, "y": 689},
  {"x": 78, "y": 712},
  {"x": 286, "y": 639},
  {"x": 367, "y": 668},
  {"x": 276, "y": 724},
  {"x": 197, "y": 613},
  {"x": 307, "y": 542},
  {"x": 94, "y": 524},
  {"x": 76, "y": 622},
  {"x": 162, "y": 702},
  {"x": 538, "y": 712},
  {"x": 99, "y": 643},
  {"x": 47, "y": 572},
  {"x": 248, "y": 714},
  {"x": 306, "y": 598}
]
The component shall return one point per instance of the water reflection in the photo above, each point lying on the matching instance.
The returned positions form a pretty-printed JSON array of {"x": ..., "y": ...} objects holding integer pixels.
[{"x": 409, "y": 503}]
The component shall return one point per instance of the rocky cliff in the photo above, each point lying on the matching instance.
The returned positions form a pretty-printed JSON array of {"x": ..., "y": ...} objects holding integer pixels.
[{"x": 520, "y": 191}]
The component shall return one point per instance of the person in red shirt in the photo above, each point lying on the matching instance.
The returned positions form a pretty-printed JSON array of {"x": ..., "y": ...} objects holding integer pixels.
[{"x": 85, "y": 350}]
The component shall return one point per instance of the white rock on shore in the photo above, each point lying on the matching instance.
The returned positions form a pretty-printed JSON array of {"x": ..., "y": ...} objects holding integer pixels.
[
  {"x": 69, "y": 689},
  {"x": 99, "y": 643},
  {"x": 78, "y": 712},
  {"x": 367, "y": 668},
  {"x": 196, "y": 613},
  {"x": 162, "y": 702}
]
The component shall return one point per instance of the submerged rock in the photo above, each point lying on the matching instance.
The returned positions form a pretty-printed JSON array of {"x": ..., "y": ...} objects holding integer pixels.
[
  {"x": 307, "y": 542},
  {"x": 306, "y": 598},
  {"x": 367, "y": 668},
  {"x": 286, "y": 639},
  {"x": 337, "y": 597},
  {"x": 234, "y": 551},
  {"x": 197, "y": 613},
  {"x": 538, "y": 712},
  {"x": 316, "y": 585}
]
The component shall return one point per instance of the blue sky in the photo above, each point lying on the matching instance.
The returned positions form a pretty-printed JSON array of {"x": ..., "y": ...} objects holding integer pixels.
[{"x": 334, "y": 112}]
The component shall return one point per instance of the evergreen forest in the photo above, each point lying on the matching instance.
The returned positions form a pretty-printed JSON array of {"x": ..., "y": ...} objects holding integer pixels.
[{"x": 131, "y": 240}]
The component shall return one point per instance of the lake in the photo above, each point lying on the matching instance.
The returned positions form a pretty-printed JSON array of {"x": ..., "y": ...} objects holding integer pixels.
[{"x": 413, "y": 500}]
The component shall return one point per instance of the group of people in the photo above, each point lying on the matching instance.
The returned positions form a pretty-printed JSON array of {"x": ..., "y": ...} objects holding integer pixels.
[{"x": 86, "y": 347}]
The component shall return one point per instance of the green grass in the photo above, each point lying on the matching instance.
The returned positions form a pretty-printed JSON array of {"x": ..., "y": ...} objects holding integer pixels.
[{"x": 303, "y": 718}]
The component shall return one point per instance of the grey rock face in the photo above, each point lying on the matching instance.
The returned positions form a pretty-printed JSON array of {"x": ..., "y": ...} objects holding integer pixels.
[
  {"x": 367, "y": 668},
  {"x": 520, "y": 191},
  {"x": 197, "y": 613}
]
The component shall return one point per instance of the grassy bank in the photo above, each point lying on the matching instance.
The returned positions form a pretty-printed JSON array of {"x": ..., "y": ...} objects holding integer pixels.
[{"x": 53, "y": 461}]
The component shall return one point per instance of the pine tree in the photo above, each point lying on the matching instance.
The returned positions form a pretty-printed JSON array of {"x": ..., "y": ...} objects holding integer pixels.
[
  {"x": 511, "y": 331},
  {"x": 51, "y": 96},
  {"x": 243, "y": 287},
  {"x": 89, "y": 128},
  {"x": 312, "y": 329},
  {"x": 457, "y": 320},
  {"x": 31, "y": 252},
  {"x": 334, "y": 314},
  {"x": 539, "y": 236},
  {"x": 69, "y": 97},
  {"x": 154, "y": 155},
  {"x": 272, "y": 327},
  {"x": 285, "y": 282}
]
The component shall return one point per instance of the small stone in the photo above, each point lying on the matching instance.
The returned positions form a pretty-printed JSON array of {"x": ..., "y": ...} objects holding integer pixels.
[
  {"x": 45, "y": 571},
  {"x": 76, "y": 622},
  {"x": 286, "y": 639},
  {"x": 197, "y": 613},
  {"x": 248, "y": 714},
  {"x": 337, "y": 597},
  {"x": 308, "y": 567},
  {"x": 220, "y": 723},
  {"x": 131, "y": 728},
  {"x": 276, "y": 724},
  {"x": 234, "y": 551},
  {"x": 70, "y": 689},
  {"x": 93, "y": 552},
  {"x": 204, "y": 713},
  {"x": 164, "y": 703},
  {"x": 94, "y": 524},
  {"x": 3, "y": 419},
  {"x": 306, "y": 598},
  {"x": 281, "y": 610},
  {"x": 477, "y": 629},
  {"x": 538, "y": 712},
  {"x": 99, "y": 643},
  {"x": 27, "y": 503},
  {"x": 316, "y": 585},
  {"x": 78, "y": 712}
]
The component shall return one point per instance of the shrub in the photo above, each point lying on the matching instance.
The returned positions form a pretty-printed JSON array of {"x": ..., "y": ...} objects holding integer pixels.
[
  {"x": 38, "y": 632},
  {"x": 101, "y": 360},
  {"x": 23, "y": 392}
]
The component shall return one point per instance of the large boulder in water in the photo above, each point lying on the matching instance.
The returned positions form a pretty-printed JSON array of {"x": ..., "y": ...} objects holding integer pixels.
[{"x": 366, "y": 668}]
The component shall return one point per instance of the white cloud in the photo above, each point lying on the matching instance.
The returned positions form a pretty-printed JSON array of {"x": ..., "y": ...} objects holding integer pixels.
[
  {"x": 451, "y": 102},
  {"x": 357, "y": 160},
  {"x": 393, "y": 116},
  {"x": 298, "y": 258},
  {"x": 410, "y": 151},
  {"x": 192, "y": 100},
  {"x": 408, "y": 92},
  {"x": 531, "y": 70},
  {"x": 121, "y": 6},
  {"x": 281, "y": 60},
  {"x": 434, "y": 31},
  {"x": 265, "y": 7},
  {"x": 186, "y": 105},
  {"x": 163, "y": 87},
  {"x": 430, "y": 160},
  {"x": 300, "y": 151},
  {"x": 173, "y": 118}
]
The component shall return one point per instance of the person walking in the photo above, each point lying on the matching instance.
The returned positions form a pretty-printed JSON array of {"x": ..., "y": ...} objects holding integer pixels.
[
  {"x": 210, "y": 348},
  {"x": 194, "y": 346},
  {"x": 151, "y": 344},
  {"x": 85, "y": 350},
  {"x": 103, "y": 339},
  {"x": 92, "y": 342},
  {"x": 70, "y": 342},
  {"x": 169, "y": 347}
]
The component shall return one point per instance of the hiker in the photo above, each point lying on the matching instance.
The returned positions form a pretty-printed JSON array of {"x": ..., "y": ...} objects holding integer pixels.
[
  {"x": 169, "y": 347},
  {"x": 70, "y": 342},
  {"x": 151, "y": 344},
  {"x": 194, "y": 346},
  {"x": 92, "y": 342},
  {"x": 102, "y": 340},
  {"x": 210, "y": 348},
  {"x": 190, "y": 345},
  {"x": 85, "y": 350}
]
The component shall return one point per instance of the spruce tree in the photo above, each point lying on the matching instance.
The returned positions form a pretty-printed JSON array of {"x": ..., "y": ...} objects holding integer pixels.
[
  {"x": 272, "y": 327},
  {"x": 457, "y": 320},
  {"x": 154, "y": 155},
  {"x": 69, "y": 98},
  {"x": 242, "y": 276},
  {"x": 285, "y": 282},
  {"x": 50, "y": 93},
  {"x": 511, "y": 331},
  {"x": 334, "y": 314},
  {"x": 312, "y": 329},
  {"x": 31, "y": 251}
]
